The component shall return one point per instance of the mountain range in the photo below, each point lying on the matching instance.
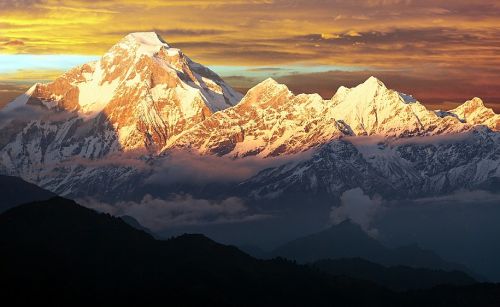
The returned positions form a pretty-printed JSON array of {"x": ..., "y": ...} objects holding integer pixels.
[{"x": 105, "y": 128}]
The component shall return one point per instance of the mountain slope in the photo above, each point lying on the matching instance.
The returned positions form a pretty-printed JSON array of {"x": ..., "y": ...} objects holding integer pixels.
[
  {"x": 393, "y": 168},
  {"x": 131, "y": 221},
  {"x": 137, "y": 96},
  {"x": 269, "y": 121},
  {"x": 16, "y": 191},
  {"x": 348, "y": 240}
]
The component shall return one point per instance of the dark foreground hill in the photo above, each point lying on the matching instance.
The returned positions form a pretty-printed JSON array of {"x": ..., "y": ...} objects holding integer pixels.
[
  {"x": 15, "y": 191},
  {"x": 395, "y": 277},
  {"x": 58, "y": 252}
]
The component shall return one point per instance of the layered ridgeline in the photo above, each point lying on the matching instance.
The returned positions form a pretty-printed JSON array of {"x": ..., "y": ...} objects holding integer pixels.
[
  {"x": 146, "y": 99},
  {"x": 59, "y": 251}
]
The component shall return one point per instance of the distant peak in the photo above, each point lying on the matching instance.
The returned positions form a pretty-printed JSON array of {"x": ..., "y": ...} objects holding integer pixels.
[
  {"x": 341, "y": 93},
  {"x": 271, "y": 83},
  {"x": 267, "y": 91},
  {"x": 363, "y": 92},
  {"x": 372, "y": 81},
  {"x": 342, "y": 90},
  {"x": 470, "y": 105},
  {"x": 144, "y": 43},
  {"x": 475, "y": 102},
  {"x": 147, "y": 38},
  {"x": 370, "y": 87}
]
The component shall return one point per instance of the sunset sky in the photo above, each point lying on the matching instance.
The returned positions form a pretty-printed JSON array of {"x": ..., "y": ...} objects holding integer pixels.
[{"x": 442, "y": 52}]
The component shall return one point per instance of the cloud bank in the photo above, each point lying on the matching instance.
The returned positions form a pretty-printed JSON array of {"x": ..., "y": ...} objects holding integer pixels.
[
  {"x": 188, "y": 167},
  {"x": 180, "y": 210}
]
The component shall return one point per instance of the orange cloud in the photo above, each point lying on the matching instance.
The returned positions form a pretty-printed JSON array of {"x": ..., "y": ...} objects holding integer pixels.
[{"x": 427, "y": 39}]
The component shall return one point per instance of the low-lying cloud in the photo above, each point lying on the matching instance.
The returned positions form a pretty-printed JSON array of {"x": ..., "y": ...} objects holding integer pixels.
[
  {"x": 366, "y": 211},
  {"x": 187, "y": 167},
  {"x": 180, "y": 210},
  {"x": 357, "y": 207},
  {"x": 26, "y": 113}
]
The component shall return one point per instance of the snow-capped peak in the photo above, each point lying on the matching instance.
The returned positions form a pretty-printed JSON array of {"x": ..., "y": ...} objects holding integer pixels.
[
  {"x": 365, "y": 91},
  {"x": 148, "y": 38},
  {"x": 265, "y": 93},
  {"x": 146, "y": 90},
  {"x": 269, "y": 82},
  {"x": 373, "y": 82},
  {"x": 363, "y": 94},
  {"x": 470, "y": 107},
  {"x": 372, "y": 108},
  {"x": 139, "y": 44},
  {"x": 473, "y": 104},
  {"x": 476, "y": 113},
  {"x": 341, "y": 92}
]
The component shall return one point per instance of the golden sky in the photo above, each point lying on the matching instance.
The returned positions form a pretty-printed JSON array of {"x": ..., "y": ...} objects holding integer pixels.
[{"x": 439, "y": 51}]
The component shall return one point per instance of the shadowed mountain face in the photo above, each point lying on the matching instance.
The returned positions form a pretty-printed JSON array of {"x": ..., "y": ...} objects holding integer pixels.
[
  {"x": 344, "y": 240},
  {"x": 16, "y": 191},
  {"x": 56, "y": 250},
  {"x": 348, "y": 240}
]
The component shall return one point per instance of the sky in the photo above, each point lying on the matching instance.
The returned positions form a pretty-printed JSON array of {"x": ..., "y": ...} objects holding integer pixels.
[{"x": 443, "y": 52}]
